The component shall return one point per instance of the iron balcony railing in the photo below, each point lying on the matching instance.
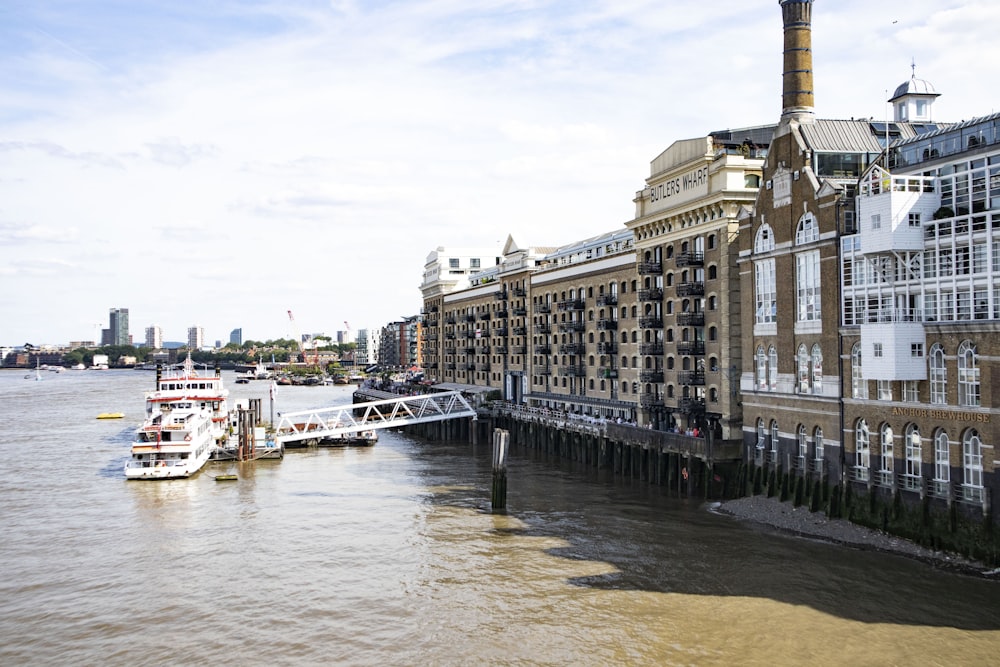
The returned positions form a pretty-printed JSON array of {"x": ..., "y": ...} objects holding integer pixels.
[
  {"x": 691, "y": 377},
  {"x": 655, "y": 349},
  {"x": 607, "y": 347},
  {"x": 648, "y": 268},
  {"x": 691, "y": 289},
  {"x": 651, "y": 294},
  {"x": 690, "y": 259},
  {"x": 650, "y": 322},
  {"x": 573, "y": 348},
  {"x": 571, "y": 304},
  {"x": 651, "y": 376},
  {"x": 607, "y": 324},
  {"x": 689, "y": 348},
  {"x": 607, "y": 299},
  {"x": 691, "y": 319}
]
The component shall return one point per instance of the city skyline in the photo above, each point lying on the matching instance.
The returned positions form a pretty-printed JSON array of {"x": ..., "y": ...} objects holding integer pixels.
[{"x": 226, "y": 167}]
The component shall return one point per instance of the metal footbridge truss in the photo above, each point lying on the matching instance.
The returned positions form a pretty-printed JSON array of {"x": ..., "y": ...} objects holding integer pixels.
[{"x": 346, "y": 420}]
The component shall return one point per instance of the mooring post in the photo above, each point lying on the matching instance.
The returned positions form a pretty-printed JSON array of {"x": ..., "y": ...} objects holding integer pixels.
[{"x": 501, "y": 440}]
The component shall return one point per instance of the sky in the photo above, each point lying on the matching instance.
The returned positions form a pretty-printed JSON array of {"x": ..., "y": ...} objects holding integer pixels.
[{"x": 219, "y": 163}]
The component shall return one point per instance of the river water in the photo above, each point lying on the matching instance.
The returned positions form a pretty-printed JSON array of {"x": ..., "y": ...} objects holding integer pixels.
[{"x": 390, "y": 555}]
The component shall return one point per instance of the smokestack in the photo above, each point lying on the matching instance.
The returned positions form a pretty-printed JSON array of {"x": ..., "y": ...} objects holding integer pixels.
[{"x": 797, "y": 77}]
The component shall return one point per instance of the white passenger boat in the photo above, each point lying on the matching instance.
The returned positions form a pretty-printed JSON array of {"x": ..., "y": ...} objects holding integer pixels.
[
  {"x": 176, "y": 442},
  {"x": 187, "y": 417},
  {"x": 186, "y": 384}
]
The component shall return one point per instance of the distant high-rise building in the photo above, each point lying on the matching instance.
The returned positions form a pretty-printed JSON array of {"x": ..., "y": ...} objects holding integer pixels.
[
  {"x": 196, "y": 338},
  {"x": 154, "y": 337},
  {"x": 117, "y": 331},
  {"x": 236, "y": 336}
]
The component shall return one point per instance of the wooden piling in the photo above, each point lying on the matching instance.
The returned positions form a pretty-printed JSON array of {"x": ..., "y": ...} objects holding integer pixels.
[{"x": 501, "y": 443}]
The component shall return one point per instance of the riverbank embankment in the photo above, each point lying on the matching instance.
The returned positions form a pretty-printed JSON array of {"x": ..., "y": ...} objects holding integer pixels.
[{"x": 787, "y": 518}]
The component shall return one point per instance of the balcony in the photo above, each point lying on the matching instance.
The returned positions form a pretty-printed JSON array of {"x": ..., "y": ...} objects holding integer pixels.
[
  {"x": 450, "y": 319},
  {"x": 543, "y": 349},
  {"x": 543, "y": 370},
  {"x": 692, "y": 406},
  {"x": 543, "y": 308},
  {"x": 607, "y": 324},
  {"x": 649, "y": 268},
  {"x": 650, "y": 400},
  {"x": 469, "y": 318},
  {"x": 500, "y": 331},
  {"x": 470, "y": 349},
  {"x": 501, "y": 296},
  {"x": 575, "y": 371},
  {"x": 501, "y": 314},
  {"x": 572, "y": 326},
  {"x": 450, "y": 335},
  {"x": 520, "y": 311},
  {"x": 450, "y": 366},
  {"x": 691, "y": 377},
  {"x": 654, "y": 349},
  {"x": 483, "y": 366},
  {"x": 484, "y": 316},
  {"x": 608, "y": 373},
  {"x": 519, "y": 291},
  {"x": 519, "y": 349},
  {"x": 607, "y": 347},
  {"x": 690, "y": 259},
  {"x": 650, "y": 322},
  {"x": 651, "y": 294},
  {"x": 573, "y": 348},
  {"x": 520, "y": 331},
  {"x": 691, "y": 289},
  {"x": 469, "y": 367},
  {"x": 691, "y": 319},
  {"x": 543, "y": 328},
  {"x": 607, "y": 299},
  {"x": 571, "y": 304},
  {"x": 655, "y": 376},
  {"x": 499, "y": 349},
  {"x": 691, "y": 348}
]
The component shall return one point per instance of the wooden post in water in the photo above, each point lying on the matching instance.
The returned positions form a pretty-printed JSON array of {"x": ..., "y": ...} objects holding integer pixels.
[{"x": 501, "y": 441}]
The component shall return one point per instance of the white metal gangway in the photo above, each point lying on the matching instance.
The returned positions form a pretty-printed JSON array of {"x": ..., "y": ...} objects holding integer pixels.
[{"x": 344, "y": 420}]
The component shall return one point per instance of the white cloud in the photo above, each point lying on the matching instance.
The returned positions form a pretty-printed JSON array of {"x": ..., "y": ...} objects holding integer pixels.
[{"x": 280, "y": 154}]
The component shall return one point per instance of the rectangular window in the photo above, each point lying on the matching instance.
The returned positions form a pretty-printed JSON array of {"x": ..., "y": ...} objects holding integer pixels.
[
  {"x": 930, "y": 264},
  {"x": 884, "y": 390},
  {"x": 453, "y": 263},
  {"x": 913, "y": 219},
  {"x": 877, "y": 350},
  {"x": 808, "y": 286},
  {"x": 917, "y": 350},
  {"x": 911, "y": 391},
  {"x": 474, "y": 263},
  {"x": 964, "y": 303},
  {"x": 764, "y": 291},
  {"x": 876, "y": 221}
]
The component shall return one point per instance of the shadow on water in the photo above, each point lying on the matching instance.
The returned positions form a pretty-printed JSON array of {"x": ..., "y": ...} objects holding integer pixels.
[{"x": 662, "y": 544}]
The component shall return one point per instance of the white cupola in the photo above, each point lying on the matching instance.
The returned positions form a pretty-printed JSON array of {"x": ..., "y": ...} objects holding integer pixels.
[{"x": 912, "y": 102}]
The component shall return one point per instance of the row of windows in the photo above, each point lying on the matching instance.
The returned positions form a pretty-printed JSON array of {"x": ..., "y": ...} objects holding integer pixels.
[
  {"x": 913, "y": 455},
  {"x": 808, "y": 369},
  {"x": 967, "y": 377}
]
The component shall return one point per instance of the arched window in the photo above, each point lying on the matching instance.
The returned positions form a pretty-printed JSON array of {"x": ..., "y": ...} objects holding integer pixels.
[
  {"x": 859, "y": 387},
  {"x": 761, "y": 369},
  {"x": 942, "y": 463},
  {"x": 772, "y": 368},
  {"x": 968, "y": 375},
  {"x": 807, "y": 230},
  {"x": 862, "y": 450},
  {"x": 760, "y": 433},
  {"x": 972, "y": 466},
  {"x": 886, "y": 464},
  {"x": 803, "y": 446},
  {"x": 803, "y": 370},
  {"x": 765, "y": 289},
  {"x": 818, "y": 444},
  {"x": 775, "y": 440},
  {"x": 913, "y": 455},
  {"x": 817, "y": 369},
  {"x": 938, "y": 375}
]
